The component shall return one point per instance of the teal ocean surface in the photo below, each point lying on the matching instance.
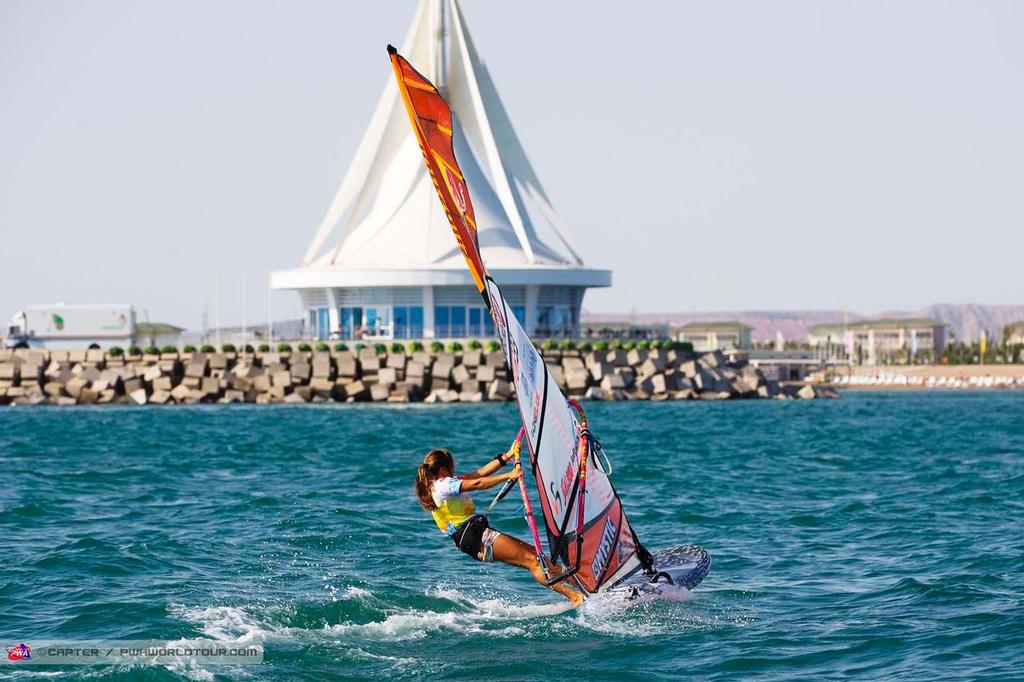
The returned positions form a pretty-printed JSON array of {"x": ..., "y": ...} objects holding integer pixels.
[{"x": 880, "y": 536}]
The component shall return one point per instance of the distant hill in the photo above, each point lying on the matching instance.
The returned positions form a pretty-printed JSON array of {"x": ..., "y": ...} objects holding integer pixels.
[{"x": 964, "y": 321}]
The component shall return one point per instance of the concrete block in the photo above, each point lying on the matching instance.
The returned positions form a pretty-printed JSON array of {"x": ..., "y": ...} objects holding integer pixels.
[
  {"x": 460, "y": 373},
  {"x": 192, "y": 382},
  {"x": 348, "y": 367},
  {"x": 387, "y": 376},
  {"x": 300, "y": 372},
  {"x": 495, "y": 359},
  {"x": 558, "y": 375},
  {"x": 595, "y": 393},
  {"x": 688, "y": 369},
  {"x": 180, "y": 393},
  {"x": 162, "y": 384},
  {"x": 323, "y": 367},
  {"x": 379, "y": 393},
  {"x": 651, "y": 366},
  {"x": 442, "y": 368},
  {"x": 283, "y": 379},
  {"x": 64, "y": 401},
  {"x": 570, "y": 362},
  {"x": 577, "y": 379},
  {"x": 612, "y": 382},
  {"x": 9, "y": 371},
  {"x": 658, "y": 385},
  {"x": 806, "y": 392},
  {"x": 395, "y": 361},
  {"x": 415, "y": 370},
  {"x": 423, "y": 357},
  {"x": 471, "y": 397},
  {"x": 138, "y": 396},
  {"x": 616, "y": 357},
  {"x": 95, "y": 356},
  {"x": 86, "y": 396},
  {"x": 356, "y": 389},
  {"x": 54, "y": 388},
  {"x": 76, "y": 385},
  {"x": 485, "y": 373},
  {"x": 685, "y": 394},
  {"x": 472, "y": 358},
  {"x": 635, "y": 357},
  {"x": 322, "y": 386},
  {"x": 369, "y": 362},
  {"x": 499, "y": 389},
  {"x": 196, "y": 369},
  {"x": 294, "y": 398},
  {"x": 210, "y": 386}
]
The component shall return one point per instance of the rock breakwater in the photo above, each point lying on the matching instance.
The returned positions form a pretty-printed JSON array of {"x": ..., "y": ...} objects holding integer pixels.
[{"x": 88, "y": 377}]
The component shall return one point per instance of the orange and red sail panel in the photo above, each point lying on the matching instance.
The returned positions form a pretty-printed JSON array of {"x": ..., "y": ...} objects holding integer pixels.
[{"x": 432, "y": 121}]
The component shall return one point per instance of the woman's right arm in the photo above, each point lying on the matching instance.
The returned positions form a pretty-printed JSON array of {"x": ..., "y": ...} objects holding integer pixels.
[{"x": 486, "y": 482}]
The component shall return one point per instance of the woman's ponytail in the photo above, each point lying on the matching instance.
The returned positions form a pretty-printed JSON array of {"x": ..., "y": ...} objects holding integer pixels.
[{"x": 434, "y": 464}]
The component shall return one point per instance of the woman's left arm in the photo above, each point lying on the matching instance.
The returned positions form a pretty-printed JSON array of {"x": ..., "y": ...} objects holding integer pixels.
[{"x": 486, "y": 470}]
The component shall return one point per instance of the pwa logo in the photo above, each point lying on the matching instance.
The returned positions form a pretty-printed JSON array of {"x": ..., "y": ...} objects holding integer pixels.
[
  {"x": 604, "y": 550},
  {"x": 20, "y": 652}
]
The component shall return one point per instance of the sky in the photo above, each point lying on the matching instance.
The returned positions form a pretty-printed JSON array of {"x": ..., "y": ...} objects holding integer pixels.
[{"x": 714, "y": 155}]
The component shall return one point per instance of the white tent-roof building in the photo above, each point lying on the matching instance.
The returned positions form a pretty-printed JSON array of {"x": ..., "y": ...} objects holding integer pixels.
[{"x": 384, "y": 262}]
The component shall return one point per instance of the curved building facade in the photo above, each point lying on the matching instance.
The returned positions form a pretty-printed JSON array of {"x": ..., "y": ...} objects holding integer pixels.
[{"x": 384, "y": 263}]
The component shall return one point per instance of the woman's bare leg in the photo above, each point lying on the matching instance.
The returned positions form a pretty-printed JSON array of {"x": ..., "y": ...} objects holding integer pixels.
[{"x": 513, "y": 551}]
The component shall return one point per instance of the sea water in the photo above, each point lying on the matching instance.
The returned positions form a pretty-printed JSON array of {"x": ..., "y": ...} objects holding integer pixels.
[{"x": 877, "y": 536}]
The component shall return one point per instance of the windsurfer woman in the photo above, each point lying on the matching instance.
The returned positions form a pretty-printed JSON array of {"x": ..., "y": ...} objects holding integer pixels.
[{"x": 444, "y": 495}]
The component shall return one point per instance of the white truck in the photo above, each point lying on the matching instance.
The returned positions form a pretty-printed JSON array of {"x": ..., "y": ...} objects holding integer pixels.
[{"x": 63, "y": 327}]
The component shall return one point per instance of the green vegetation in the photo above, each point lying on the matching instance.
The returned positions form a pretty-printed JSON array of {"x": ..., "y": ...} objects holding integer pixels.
[
  {"x": 567, "y": 344},
  {"x": 475, "y": 345},
  {"x": 228, "y": 348},
  {"x": 248, "y": 348},
  {"x": 454, "y": 347},
  {"x": 586, "y": 346},
  {"x": 169, "y": 349},
  {"x": 340, "y": 347},
  {"x": 549, "y": 345},
  {"x": 188, "y": 348},
  {"x": 151, "y": 350},
  {"x": 305, "y": 347},
  {"x": 397, "y": 348},
  {"x": 493, "y": 346},
  {"x": 264, "y": 348},
  {"x": 134, "y": 350},
  {"x": 115, "y": 351},
  {"x": 629, "y": 345},
  {"x": 616, "y": 344},
  {"x": 415, "y": 346},
  {"x": 360, "y": 347},
  {"x": 601, "y": 346},
  {"x": 284, "y": 348},
  {"x": 643, "y": 344},
  {"x": 436, "y": 346}
]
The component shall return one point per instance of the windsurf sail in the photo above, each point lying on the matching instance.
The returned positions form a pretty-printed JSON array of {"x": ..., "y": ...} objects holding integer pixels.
[{"x": 608, "y": 552}]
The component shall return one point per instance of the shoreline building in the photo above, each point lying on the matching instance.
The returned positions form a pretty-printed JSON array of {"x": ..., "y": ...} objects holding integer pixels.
[
  {"x": 874, "y": 342},
  {"x": 710, "y": 336},
  {"x": 384, "y": 263}
]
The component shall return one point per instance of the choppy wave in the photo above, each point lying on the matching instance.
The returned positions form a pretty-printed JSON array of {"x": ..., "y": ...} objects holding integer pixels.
[{"x": 876, "y": 536}]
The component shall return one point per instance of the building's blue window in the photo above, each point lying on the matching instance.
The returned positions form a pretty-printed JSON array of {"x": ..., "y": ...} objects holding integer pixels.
[
  {"x": 520, "y": 314},
  {"x": 351, "y": 322},
  {"x": 415, "y": 321},
  {"x": 458, "y": 321},
  {"x": 323, "y": 323},
  {"x": 442, "y": 321}
]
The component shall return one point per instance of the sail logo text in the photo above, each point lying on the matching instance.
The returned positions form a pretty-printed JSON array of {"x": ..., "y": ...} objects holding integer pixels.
[{"x": 604, "y": 550}]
